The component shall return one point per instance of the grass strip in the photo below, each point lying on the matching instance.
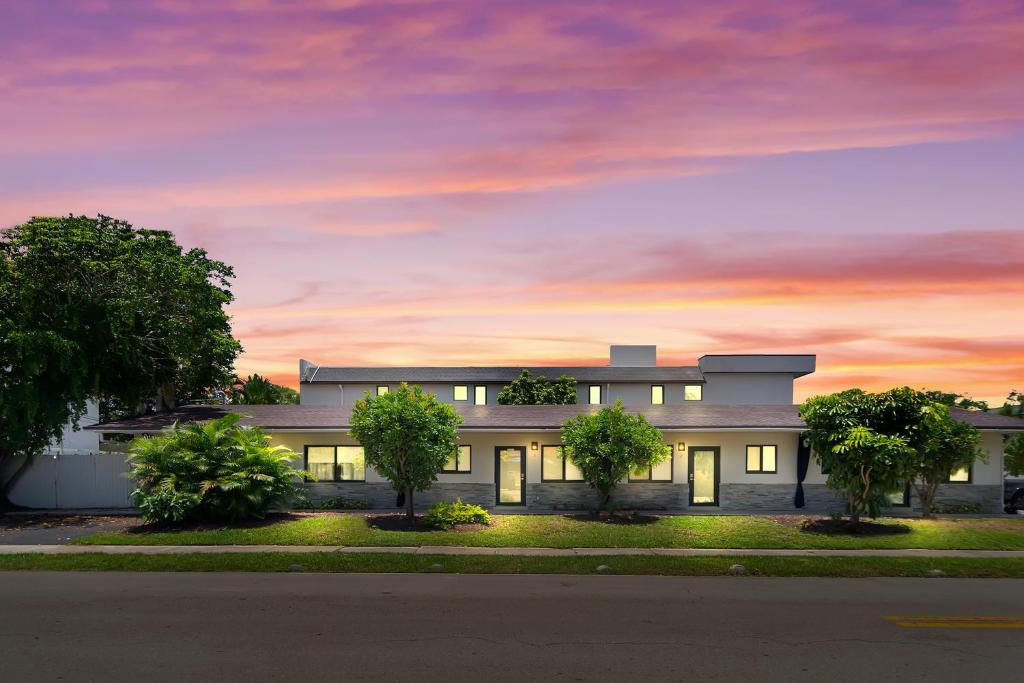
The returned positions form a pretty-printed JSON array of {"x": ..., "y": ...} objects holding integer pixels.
[
  {"x": 390, "y": 563},
  {"x": 567, "y": 531}
]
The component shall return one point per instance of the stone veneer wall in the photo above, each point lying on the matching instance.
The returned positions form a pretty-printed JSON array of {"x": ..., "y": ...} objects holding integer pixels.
[
  {"x": 989, "y": 498},
  {"x": 818, "y": 498},
  {"x": 381, "y": 495}
]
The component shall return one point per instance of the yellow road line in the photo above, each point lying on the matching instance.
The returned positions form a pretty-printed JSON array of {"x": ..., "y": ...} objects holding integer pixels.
[{"x": 991, "y": 622}]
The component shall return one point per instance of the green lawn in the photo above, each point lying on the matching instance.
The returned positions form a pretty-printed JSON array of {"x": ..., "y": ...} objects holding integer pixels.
[
  {"x": 557, "y": 531},
  {"x": 382, "y": 562}
]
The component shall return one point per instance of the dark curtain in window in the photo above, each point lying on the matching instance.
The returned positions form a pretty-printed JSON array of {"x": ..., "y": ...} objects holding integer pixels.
[{"x": 803, "y": 459}]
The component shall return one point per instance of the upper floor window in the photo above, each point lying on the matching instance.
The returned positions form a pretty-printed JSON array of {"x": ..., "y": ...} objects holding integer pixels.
[
  {"x": 382, "y": 389},
  {"x": 762, "y": 459},
  {"x": 693, "y": 392},
  {"x": 461, "y": 392},
  {"x": 556, "y": 467},
  {"x": 461, "y": 460},
  {"x": 961, "y": 476},
  {"x": 660, "y": 472},
  {"x": 595, "y": 394},
  {"x": 657, "y": 395},
  {"x": 480, "y": 395},
  {"x": 336, "y": 463}
]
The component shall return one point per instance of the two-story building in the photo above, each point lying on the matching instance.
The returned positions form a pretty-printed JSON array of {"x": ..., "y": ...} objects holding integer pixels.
[{"x": 729, "y": 420}]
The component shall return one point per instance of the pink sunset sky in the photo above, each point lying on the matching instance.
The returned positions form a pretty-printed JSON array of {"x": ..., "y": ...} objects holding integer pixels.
[{"x": 526, "y": 182}]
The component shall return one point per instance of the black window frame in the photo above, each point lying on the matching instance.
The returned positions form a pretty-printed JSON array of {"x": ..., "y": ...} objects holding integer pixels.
[
  {"x": 699, "y": 386},
  {"x": 650, "y": 471},
  {"x": 905, "y": 502},
  {"x": 460, "y": 400},
  {"x": 563, "y": 480},
  {"x": 457, "y": 470},
  {"x": 760, "y": 458},
  {"x": 600, "y": 394},
  {"x": 479, "y": 386},
  {"x": 970, "y": 477},
  {"x": 385, "y": 387},
  {"x": 334, "y": 467},
  {"x": 658, "y": 386}
]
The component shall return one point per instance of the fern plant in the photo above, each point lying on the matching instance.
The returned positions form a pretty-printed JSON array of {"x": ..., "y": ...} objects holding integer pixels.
[{"x": 211, "y": 470}]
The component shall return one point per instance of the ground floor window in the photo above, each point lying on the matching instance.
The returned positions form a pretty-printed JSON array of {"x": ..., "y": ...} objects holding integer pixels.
[
  {"x": 899, "y": 499},
  {"x": 762, "y": 459},
  {"x": 961, "y": 476},
  {"x": 660, "y": 472},
  {"x": 336, "y": 463},
  {"x": 460, "y": 462},
  {"x": 556, "y": 467}
]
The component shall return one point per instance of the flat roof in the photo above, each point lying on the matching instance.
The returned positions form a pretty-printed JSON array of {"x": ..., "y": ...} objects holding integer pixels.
[
  {"x": 517, "y": 418},
  {"x": 484, "y": 374}
]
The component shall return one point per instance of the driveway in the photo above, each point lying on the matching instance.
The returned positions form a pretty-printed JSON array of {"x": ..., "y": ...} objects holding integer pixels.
[
  {"x": 29, "y": 529},
  {"x": 355, "y": 627}
]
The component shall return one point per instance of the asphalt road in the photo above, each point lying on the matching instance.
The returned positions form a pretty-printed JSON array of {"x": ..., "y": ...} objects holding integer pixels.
[{"x": 313, "y": 627}]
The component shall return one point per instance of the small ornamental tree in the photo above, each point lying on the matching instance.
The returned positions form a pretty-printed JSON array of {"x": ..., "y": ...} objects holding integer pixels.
[
  {"x": 867, "y": 465},
  {"x": 407, "y": 437},
  {"x": 947, "y": 446},
  {"x": 609, "y": 444},
  {"x": 535, "y": 390},
  {"x": 931, "y": 444}
]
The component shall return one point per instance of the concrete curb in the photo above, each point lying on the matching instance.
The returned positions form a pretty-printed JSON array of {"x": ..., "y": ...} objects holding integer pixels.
[{"x": 468, "y": 550}]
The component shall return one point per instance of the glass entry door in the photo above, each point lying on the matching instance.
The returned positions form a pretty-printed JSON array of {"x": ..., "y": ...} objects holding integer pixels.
[
  {"x": 704, "y": 475},
  {"x": 510, "y": 474}
]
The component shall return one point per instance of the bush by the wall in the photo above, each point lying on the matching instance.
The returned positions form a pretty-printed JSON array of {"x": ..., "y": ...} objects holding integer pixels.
[
  {"x": 211, "y": 470},
  {"x": 443, "y": 515}
]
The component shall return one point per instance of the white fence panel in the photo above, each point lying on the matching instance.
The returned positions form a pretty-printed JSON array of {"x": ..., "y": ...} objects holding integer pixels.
[{"x": 75, "y": 480}]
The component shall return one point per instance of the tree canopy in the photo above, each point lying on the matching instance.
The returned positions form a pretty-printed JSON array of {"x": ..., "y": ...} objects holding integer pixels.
[
  {"x": 534, "y": 390},
  {"x": 407, "y": 437},
  {"x": 609, "y": 444},
  {"x": 258, "y": 390},
  {"x": 956, "y": 400},
  {"x": 874, "y": 444},
  {"x": 95, "y": 308}
]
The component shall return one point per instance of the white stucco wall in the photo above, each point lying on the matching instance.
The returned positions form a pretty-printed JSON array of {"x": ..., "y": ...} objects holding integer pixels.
[
  {"x": 748, "y": 388},
  {"x": 733, "y": 447}
]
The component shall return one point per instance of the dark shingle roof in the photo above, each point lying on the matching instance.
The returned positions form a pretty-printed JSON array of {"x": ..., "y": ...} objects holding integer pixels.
[
  {"x": 699, "y": 416},
  {"x": 475, "y": 417},
  {"x": 469, "y": 375}
]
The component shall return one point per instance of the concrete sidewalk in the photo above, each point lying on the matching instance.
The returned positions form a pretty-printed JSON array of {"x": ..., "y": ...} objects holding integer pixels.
[{"x": 467, "y": 550}]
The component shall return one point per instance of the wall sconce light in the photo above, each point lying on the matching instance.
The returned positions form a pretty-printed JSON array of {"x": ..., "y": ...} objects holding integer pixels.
[
  {"x": 682, "y": 447},
  {"x": 533, "y": 445}
]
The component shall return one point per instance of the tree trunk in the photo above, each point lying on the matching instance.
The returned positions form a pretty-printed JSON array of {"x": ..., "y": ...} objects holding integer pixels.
[
  {"x": 6, "y": 484},
  {"x": 409, "y": 515}
]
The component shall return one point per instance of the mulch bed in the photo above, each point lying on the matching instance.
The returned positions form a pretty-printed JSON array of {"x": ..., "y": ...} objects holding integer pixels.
[
  {"x": 269, "y": 520},
  {"x": 619, "y": 519},
  {"x": 843, "y": 527},
  {"x": 398, "y": 522},
  {"x": 57, "y": 521}
]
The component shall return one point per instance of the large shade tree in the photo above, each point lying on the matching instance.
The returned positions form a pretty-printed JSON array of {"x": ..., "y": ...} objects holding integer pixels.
[
  {"x": 407, "y": 437},
  {"x": 94, "y": 308},
  {"x": 609, "y": 444}
]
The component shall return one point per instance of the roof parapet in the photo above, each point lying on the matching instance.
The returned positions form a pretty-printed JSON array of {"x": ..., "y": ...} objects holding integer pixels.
[{"x": 797, "y": 365}]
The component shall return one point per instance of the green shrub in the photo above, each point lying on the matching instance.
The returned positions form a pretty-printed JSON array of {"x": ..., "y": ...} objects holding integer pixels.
[
  {"x": 444, "y": 515},
  {"x": 212, "y": 470}
]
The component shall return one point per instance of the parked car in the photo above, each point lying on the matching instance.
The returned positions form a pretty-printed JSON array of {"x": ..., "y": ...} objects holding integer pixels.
[{"x": 1013, "y": 495}]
